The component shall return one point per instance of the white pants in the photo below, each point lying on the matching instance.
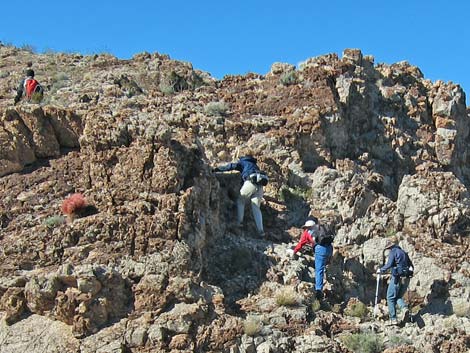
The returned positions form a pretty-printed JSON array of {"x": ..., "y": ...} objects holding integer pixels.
[{"x": 255, "y": 194}]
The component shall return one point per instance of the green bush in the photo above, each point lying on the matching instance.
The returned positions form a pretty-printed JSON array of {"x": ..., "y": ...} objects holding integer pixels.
[
  {"x": 461, "y": 309},
  {"x": 216, "y": 108},
  {"x": 336, "y": 308},
  {"x": 60, "y": 77},
  {"x": 287, "y": 194},
  {"x": 288, "y": 78},
  {"x": 60, "y": 80},
  {"x": 37, "y": 97},
  {"x": 54, "y": 221},
  {"x": 390, "y": 233},
  {"x": 166, "y": 88},
  {"x": 316, "y": 305},
  {"x": 397, "y": 341},
  {"x": 173, "y": 82},
  {"x": 363, "y": 343},
  {"x": 357, "y": 309},
  {"x": 29, "y": 48},
  {"x": 286, "y": 297},
  {"x": 252, "y": 326}
]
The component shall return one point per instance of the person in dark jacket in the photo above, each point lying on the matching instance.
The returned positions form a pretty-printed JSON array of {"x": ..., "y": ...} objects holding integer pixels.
[
  {"x": 323, "y": 252},
  {"x": 252, "y": 189},
  {"x": 401, "y": 269}
]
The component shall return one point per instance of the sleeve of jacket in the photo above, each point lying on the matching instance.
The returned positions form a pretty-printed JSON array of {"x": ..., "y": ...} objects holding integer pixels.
[
  {"x": 19, "y": 91},
  {"x": 228, "y": 167},
  {"x": 305, "y": 239},
  {"x": 390, "y": 262}
]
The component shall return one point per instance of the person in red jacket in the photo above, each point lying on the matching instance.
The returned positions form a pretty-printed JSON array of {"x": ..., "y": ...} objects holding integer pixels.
[
  {"x": 306, "y": 238},
  {"x": 322, "y": 250},
  {"x": 29, "y": 88}
]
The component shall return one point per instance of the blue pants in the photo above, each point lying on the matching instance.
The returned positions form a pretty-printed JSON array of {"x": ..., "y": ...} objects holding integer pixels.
[
  {"x": 396, "y": 290},
  {"x": 322, "y": 255}
]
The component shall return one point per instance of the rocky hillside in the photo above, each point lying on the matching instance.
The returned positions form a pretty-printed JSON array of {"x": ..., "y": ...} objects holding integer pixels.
[{"x": 154, "y": 262}]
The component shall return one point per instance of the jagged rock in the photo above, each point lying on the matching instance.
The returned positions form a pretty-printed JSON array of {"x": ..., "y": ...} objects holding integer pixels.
[
  {"x": 42, "y": 334},
  {"x": 13, "y": 303},
  {"x": 40, "y": 293}
]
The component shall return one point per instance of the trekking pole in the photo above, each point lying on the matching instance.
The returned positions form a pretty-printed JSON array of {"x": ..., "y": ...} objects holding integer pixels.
[{"x": 376, "y": 306}]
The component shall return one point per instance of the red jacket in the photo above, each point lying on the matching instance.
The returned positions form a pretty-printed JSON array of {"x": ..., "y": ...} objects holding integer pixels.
[{"x": 305, "y": 239}]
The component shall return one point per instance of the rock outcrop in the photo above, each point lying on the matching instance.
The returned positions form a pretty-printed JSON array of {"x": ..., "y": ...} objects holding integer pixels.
[{"x": 157, "y": 263}]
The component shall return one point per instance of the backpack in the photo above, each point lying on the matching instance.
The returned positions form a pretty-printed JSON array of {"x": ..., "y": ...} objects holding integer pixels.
[
  {"x": 325, "y": 235},
  {"x": 408, "y": 270},
  {"x": 33, "y": 90},
  {"x": 259, "y": 178}
]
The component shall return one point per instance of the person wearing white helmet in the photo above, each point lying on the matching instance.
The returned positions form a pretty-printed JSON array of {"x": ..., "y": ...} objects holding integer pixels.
[{"x": 323, "y": 250}]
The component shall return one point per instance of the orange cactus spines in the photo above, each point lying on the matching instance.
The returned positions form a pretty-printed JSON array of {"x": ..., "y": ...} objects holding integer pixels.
[{"x": 73, "y": 203}]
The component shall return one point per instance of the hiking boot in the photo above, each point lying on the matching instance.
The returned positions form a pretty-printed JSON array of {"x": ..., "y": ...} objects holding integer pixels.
[
  {"x": 319, "y": 294},
  {"x": 392, "y": 322},
  {"x": 405, "y": 316}
]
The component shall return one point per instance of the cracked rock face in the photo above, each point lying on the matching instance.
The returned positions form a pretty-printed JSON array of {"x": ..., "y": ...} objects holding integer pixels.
[{"x": 157, "y": 262}]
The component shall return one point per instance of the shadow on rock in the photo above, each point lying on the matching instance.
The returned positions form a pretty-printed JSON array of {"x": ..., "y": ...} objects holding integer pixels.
[{"x": 238, "y": 266}]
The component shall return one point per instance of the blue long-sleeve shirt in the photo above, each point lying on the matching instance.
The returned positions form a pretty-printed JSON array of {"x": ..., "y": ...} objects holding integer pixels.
[
  {"x": 396, "y": 259},
  {"x": 246, "y": 166}
]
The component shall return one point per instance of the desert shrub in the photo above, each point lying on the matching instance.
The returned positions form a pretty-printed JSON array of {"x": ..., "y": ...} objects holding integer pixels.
[
  {"x": 288, "y": 78},
  {"x": 357, "y": 309},
  {"x": 252, "y": 326},
  {"x": 29, "y": 48},
  {"x": 60, "y": 77},
  {"x": 287, "y": 194},
  {"x": 60, "y": 80},
  {"x": 336, "y": 308},
  {"x": 37, "y": 97},
  {"x": 53, "y": 221},
  {"x": 4, "y": 74},
  {"x": 396, "y": 341},
  {"x": 196, "y": 81},
  {"x": 166, "y": 88},
  {"x": 363, "y": 343},
  {"x": 390, "y": 233},
  {"x": 128, "y": 86},
  {"x": 286, "y": 297},
  {"x": 461, "y": 309},
  {"x": 316, "y": 305},
  {"x": 173, "y": 82},
  {"x": 49, "y": 51},
  {"x": 216, "y": 108},
  {"x": 73, "y": 204}
]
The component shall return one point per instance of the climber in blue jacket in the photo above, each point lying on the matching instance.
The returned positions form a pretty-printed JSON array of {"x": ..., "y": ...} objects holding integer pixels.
[{"x": 252, "y": 188}]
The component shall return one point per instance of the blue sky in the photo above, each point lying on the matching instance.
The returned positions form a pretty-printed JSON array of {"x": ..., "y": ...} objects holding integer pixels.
[{"x": 236, "y": 37}]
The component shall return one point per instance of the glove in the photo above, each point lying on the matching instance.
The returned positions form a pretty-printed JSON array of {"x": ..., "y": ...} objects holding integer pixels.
[{"x": 290, "y": 252}]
